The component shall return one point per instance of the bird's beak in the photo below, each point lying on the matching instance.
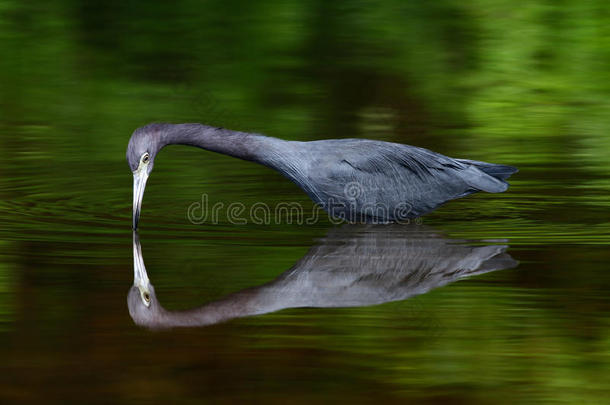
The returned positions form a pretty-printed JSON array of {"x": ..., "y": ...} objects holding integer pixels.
[
  {"x": 140, "y": 278},
  {"x": 139, "y": 183}
]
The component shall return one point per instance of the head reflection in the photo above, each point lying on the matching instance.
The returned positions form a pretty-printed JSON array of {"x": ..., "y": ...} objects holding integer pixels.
[{"x": 353, "y": 265}]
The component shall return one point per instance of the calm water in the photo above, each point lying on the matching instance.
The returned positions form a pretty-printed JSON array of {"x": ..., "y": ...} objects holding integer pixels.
[{"x": 528, "y": 87}]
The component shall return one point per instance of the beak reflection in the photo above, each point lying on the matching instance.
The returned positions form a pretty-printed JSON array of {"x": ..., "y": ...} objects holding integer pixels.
[{"x": 140, "y": 278}]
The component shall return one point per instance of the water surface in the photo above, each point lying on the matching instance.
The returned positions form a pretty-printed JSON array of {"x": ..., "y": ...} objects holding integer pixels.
[{"x": 527, "y": 87}]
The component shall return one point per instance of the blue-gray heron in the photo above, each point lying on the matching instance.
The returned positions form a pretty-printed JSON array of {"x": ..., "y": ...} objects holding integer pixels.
[
  {"x": 358, "y": 180},
  {"x": 354, "y": 265}
]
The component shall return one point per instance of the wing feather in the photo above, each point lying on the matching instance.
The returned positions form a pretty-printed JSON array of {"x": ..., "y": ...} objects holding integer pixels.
[{"x": 383, "y": 158}]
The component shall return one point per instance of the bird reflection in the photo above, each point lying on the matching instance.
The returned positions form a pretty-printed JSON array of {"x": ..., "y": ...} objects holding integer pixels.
[{"x": 354, "y": 265}]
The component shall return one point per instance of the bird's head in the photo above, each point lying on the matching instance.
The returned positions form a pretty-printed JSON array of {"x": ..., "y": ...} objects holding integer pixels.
[
  {"x": 142, "y": 149},
  {"x": 144, "y": 308}
]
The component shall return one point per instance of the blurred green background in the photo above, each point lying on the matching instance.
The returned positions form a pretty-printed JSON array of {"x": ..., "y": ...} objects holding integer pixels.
[{"x": 520, "y": 83}]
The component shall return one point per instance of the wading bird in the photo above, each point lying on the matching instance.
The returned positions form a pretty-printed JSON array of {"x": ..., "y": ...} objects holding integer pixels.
[
  {"x": 353, "y": 266},
  {"x": 358, "y": 180}
]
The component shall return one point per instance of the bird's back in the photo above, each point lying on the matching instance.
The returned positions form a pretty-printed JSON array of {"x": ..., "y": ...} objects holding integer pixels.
[{"x": 373, "y": 181}]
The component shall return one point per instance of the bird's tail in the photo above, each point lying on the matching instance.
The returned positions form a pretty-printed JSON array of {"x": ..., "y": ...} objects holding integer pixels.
[
  {"x": 500, "y": 172},
  {"x": 499, "y": 262},
  {"x": 485, "y": 176}
]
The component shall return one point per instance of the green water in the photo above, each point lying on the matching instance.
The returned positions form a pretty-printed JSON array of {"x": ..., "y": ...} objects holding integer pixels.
[{"x": 521, "y": 84}]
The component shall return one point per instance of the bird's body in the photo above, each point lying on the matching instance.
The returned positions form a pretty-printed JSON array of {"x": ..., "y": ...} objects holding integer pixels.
[
  {"x": 359, "y": 180},
  {"x": 372, "y": 181}
]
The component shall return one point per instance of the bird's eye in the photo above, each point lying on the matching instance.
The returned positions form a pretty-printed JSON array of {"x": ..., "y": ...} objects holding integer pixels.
[
  {"x": 145, "y": 158},
  {"x": 146, "y": 297}
]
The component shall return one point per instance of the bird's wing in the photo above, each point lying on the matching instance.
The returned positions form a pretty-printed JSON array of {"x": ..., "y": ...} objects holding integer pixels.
[
  {"x": 400, "y": 179},
  {"x": 427, "y": 167},
  {"x": 375, "y": 157}
]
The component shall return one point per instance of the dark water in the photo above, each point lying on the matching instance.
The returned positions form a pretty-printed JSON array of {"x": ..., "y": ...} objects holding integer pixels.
[{"x": 526, "y": 86}]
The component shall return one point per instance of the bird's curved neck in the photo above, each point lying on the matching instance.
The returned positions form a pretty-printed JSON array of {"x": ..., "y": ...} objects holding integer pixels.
[
  {"x": 242, "y": 145},
  {"x": 248, "y": 302}
]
